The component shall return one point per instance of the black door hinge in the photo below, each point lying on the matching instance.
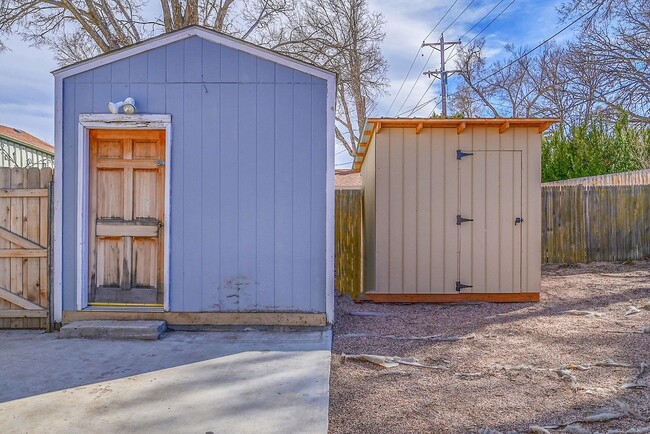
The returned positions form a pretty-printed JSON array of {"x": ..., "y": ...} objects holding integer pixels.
[
  {"x": 460, "y": 154},
  {"x": 460, "y": 286},
  {"x": 460, "y": 220}
]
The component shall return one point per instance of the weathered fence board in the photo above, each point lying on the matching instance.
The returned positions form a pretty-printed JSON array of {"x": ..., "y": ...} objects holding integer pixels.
[
  {"x": 24, "y": 240},
  {"x": 349, "y": 205},
  {"x": 634, "y": 177},
  {"x": 586, "y": 223}
]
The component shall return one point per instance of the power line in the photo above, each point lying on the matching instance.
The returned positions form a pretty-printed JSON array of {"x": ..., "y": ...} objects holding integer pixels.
[
  {"x": 404, "y": 81},
  {"x": 416, "y": 81},
  {"x": 471, "y": 28},
  {"x": 433, "y": 111},
  {"x": 484, "y": 17},
  {"x": 459, "y": 15},
  {"x": 413, "y": 62},
  {"x": 545, "y": 41},
  {"x": 540, "y": 44},
  {"x": 419, "y": 107},
  {"x": 415, "y": 108},
  {"x": 442, "y": 73},
  {"x": 486, "y": 26}
]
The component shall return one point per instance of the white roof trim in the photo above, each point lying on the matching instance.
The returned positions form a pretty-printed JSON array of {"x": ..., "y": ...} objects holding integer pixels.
[{"x": 203, "y": 33}]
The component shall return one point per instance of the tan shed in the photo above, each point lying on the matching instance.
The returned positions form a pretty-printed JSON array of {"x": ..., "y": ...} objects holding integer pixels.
[{"x": 451, "y": 209}]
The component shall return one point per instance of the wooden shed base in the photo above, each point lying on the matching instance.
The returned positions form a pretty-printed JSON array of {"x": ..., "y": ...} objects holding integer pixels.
[
  {"x": 205, "y": 318},
  {"x": 520, "y": 297}
]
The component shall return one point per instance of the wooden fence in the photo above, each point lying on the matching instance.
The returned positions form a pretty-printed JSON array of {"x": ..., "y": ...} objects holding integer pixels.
[
  {"x": 349, "y": 206},
  {"x": 634, "y": 177},
  {"x": 24, "y": 247},
  {"x": 585, "y": 223}
]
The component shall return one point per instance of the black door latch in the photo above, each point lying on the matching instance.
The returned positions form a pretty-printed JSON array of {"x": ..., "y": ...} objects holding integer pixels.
[{"x": 518, "y": 220}]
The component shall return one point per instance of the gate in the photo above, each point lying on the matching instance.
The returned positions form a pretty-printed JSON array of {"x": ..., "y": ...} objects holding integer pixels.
[{"x": 24, "y": 247}]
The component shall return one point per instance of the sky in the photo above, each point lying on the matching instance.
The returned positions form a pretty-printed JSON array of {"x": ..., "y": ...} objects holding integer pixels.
[{"x": 27, "y": 87}]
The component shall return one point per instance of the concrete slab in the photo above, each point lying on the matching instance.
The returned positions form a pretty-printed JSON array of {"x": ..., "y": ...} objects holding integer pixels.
[
  {"x": 143, "y": 330},
  {"x": 186, "y": 382}
]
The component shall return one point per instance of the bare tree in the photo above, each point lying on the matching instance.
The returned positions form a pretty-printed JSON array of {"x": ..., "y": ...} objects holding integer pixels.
[
  {"x": 78, "y": 29},
  {"x": 471, "y": 65},
  {"x": 603, "y": 72},
  {"x": 546, "y": 84},
  {"x": 343, "y": 36},
  {"x": 613, "y": 42}
]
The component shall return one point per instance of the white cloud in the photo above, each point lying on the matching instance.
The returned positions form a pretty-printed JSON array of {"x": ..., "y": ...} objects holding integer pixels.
[
  {"x": 26, "y": 86},
  {"x": 27, "y": 89},
  {"x": 523, "y": 23}
]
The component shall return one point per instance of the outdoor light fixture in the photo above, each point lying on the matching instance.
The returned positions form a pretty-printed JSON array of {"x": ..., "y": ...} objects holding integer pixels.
[{"x": 127, "y": 106}]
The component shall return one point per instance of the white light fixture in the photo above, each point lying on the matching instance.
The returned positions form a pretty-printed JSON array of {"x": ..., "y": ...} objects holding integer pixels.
[{"x": 127, "y": 106}]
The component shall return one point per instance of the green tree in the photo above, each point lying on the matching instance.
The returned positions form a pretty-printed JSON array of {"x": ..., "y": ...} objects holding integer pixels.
[{"x": 596, "y": 149}]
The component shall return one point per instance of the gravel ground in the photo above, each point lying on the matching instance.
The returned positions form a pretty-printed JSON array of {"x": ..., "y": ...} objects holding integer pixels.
[{"x": 541, "y": 337}]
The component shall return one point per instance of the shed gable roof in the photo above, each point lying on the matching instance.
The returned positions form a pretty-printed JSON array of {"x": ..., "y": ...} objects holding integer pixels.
[{"x": 188, "y": 32}]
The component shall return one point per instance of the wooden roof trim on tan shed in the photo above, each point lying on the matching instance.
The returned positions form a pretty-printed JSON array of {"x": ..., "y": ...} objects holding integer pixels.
[{"x": 373, "y": 126}]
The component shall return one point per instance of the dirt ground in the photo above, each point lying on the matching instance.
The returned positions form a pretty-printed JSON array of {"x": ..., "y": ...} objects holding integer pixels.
[{"x": 523, "y": 359}]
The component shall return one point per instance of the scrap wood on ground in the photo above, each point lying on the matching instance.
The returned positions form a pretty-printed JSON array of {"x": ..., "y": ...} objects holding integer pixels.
[{"x": 535, "y": 367}]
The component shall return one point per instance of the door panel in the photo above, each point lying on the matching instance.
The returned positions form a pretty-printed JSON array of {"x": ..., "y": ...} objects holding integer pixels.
[
  {"x": 489, "y": 258},
  {"x": 126, "y": 212},
  {"x": 110, "y": 194},
  {"x": 110, "y": 256},
  {"x": 145, "y": 186}
]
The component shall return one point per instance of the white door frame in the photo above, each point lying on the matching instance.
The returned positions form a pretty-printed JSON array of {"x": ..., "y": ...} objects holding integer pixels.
[{"x": 122, "y": 122}]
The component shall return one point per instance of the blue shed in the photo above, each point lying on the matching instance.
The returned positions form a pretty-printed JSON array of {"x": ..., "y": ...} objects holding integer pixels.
[{"x": 213, "y": 203}]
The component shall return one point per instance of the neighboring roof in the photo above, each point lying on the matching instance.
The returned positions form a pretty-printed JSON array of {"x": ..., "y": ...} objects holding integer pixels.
[
  {"x": 347, "y": 179},
  {"x": 374, "y": 125},
  {"x": 26, "y": 139},
  {"x": 188, "y": 32}
]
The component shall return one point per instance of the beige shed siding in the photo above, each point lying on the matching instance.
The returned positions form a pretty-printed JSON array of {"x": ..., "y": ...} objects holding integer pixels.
[
  {"x": 409, "y": 218},
  {"x": 382, "y": 182},
  {"x": 421, "y": 187},
  {"x": 450, "y": 208},
  {"x": 369, "y": 214},
  {"x": 422, "y": 225},
  {"x": 436, "y": 242}
]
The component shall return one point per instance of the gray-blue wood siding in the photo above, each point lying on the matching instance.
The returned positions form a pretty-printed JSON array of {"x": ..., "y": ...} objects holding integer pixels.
[{"x": 248, "y": 164}]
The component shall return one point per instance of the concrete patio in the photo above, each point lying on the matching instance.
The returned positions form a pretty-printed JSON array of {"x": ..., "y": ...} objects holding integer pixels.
[{"x": 241, "y": 381}]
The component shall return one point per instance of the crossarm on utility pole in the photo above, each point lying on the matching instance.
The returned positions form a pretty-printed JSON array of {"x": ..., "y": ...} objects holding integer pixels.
[{"x": 442, "y": 73}]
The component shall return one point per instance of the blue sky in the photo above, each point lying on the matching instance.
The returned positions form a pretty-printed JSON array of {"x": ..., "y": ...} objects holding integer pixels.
[{"x": 27, "y": 87}]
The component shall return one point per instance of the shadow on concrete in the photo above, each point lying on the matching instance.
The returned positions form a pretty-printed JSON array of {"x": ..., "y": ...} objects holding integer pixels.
[{"x": 186, "y": 382}]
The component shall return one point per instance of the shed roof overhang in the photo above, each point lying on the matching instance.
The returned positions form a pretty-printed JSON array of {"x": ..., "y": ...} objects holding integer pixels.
[{"x": 373, "y": 126}]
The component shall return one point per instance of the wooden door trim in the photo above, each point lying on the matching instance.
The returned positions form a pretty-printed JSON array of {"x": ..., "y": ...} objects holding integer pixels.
[{"x": 89, "y": 122}]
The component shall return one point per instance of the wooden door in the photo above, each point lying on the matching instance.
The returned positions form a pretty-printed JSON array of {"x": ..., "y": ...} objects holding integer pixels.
[
  {"x": 126, "y": 211},
  {"x": 488, "y": 222}
]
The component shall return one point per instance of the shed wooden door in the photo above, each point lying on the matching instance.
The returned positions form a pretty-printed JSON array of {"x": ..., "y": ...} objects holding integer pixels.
[
  {"x": 490, "y": 245},
  {"x": 126, "y": 211}
]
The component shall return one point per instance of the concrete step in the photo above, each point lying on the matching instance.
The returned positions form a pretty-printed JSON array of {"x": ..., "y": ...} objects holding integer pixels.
[{"x": 143, "y": 330}]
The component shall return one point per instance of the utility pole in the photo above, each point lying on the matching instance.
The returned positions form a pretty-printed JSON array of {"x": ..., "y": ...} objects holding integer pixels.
[{"x": 441, "y": 73}]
